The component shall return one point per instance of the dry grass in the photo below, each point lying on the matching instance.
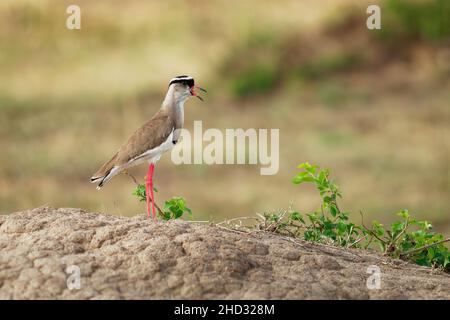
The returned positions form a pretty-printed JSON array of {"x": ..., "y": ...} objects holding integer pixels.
[{"x": 69, "y": 99}]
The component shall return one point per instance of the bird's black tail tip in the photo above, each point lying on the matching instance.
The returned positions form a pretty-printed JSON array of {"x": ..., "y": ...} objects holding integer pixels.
[{"x": 96, "y": 179}]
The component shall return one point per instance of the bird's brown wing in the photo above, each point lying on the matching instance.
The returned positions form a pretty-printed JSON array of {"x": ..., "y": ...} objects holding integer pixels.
[{"x": 149, "y": 136}]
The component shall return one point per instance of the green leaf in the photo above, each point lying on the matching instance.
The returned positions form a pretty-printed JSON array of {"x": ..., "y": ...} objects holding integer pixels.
[
  {"x": 378, "y": 228},
  {"x": 397, "y": 226},
  {"x": 174, "y": 208},
  {"x": 342, "y": 227},
  {"x": 308, "y": 167},
  {"x": 297, "y": 217},
  {"x": 303, "y": 177},
  {"x": 312, "y": 217},
  {"x": 333, "y": 210},
  {"x": 404, "y": 214},
  {"x": 424, "y": 225},
  {"x": 140, "y": 192},
  {"x": 430, "y": 253},
  {"x": 446, "y": 260},
  {"x": 323, "y": 176}
]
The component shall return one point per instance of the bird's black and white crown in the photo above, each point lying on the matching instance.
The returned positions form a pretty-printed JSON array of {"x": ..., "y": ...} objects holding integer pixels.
[{"x": 182, "y": 79}]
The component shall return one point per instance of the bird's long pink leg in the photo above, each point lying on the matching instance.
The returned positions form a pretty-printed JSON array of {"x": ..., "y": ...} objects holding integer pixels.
[
  {"x": 151, "y": 169},
  {"x": 147, "y": 194}
]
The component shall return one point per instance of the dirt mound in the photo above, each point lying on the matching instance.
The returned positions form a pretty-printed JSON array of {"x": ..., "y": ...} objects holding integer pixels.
[{"x": 136, "y": 258}]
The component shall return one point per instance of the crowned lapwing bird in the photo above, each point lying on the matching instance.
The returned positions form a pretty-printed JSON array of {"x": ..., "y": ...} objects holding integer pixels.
[{"x": 152, "y": 139}]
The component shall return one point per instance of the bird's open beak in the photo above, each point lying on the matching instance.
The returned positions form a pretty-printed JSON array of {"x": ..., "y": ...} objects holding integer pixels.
[{"x": 195, "y": 94}]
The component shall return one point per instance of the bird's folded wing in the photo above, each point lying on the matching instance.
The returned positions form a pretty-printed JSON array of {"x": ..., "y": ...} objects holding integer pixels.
[{"x": 151, "y": 135}]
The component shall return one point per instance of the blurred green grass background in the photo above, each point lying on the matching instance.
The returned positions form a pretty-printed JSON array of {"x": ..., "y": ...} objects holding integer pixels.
[{"x": 373, "y": 106}]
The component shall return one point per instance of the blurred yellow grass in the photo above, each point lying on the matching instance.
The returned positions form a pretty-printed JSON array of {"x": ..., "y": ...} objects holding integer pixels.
[{"x": 68, "y": 99}]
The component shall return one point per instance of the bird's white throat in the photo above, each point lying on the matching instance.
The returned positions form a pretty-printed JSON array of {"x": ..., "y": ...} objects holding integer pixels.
[
  {"x": 174, "y": 98},
  {"x": 175, "y": 104}
]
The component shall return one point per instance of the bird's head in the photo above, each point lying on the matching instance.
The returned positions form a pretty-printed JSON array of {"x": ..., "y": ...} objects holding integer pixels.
[{"x": 183, "y": 87}]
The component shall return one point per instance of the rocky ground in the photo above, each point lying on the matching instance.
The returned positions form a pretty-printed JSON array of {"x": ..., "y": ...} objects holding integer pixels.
[{"x": 136, "y": 258}]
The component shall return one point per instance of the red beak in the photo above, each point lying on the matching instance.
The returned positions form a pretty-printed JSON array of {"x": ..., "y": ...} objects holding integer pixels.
[{"x": 192, "y": 90}]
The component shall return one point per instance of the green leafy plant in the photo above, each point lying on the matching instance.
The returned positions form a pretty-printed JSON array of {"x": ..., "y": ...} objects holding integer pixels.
[
  {"x": 421, "y": 246},
  {"x": 407, "y": 238},
  {"x": 173, "y": 208},
  {"x": 328, "y": 224},
  {"x": 140, "y": 192}
]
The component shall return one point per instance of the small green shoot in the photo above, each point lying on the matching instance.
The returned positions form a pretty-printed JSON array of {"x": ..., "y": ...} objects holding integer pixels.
[{"x": 174, "y": 208}]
